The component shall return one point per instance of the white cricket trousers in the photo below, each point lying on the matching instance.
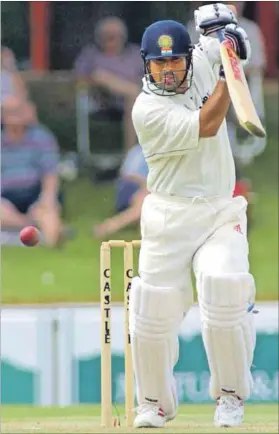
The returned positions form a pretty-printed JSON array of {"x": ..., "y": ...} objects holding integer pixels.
[{"x": 209, "y": 235}]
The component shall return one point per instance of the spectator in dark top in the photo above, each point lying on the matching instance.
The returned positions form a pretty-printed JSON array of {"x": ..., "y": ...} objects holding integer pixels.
[
  {"x": 114, "y": 67},
  {"x": 29, "y": 178},
  {"x": 131, "y": 190}
]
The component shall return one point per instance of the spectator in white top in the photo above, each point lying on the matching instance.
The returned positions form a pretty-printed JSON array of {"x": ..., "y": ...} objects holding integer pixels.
[
  {"x": 245, "y": 147},
  {"x": 11, "y": 81}
]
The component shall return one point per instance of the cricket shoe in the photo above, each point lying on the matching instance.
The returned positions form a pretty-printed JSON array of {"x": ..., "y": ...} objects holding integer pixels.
[
  {"x": 150, "y": 416},
  {"x": 229, "y": 411}
]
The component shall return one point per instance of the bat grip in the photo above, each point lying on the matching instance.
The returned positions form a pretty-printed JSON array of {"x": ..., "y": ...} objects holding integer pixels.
[{"x": 220, "y": 35}]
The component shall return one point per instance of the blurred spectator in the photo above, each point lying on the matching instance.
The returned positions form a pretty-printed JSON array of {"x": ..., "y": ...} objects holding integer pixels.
[
  {"x": 130, "y": 192},
  {"x": 115, "y": 68},
  {"x": 244, "y": 146},
  {"x": 11, "y": 81},
  {"x": 29, "y": 180}
]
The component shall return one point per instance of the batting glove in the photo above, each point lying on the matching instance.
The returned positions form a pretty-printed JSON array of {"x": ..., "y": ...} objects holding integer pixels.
[
  {"x": 213, "y": 17},
  {"x": 239, "y": 41}
]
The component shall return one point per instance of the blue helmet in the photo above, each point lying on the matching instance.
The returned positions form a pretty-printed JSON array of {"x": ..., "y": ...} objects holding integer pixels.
[{"x": 165, "y": 39}]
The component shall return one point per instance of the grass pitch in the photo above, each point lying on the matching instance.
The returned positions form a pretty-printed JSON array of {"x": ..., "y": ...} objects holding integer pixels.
[{"x": 259, "y": 418}]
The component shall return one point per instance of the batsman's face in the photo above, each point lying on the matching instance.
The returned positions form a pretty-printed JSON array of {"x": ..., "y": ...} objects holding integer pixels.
[{"x": 168, "y": 72}]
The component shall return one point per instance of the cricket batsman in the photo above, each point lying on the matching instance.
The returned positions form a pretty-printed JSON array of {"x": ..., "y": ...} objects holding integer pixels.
[{"x": 190, "y": 220}]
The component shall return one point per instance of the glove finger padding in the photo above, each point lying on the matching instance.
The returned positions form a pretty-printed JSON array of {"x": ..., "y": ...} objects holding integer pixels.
[
  {"x": 238, "y": 38},
  {"x": 210, "y": 18}
]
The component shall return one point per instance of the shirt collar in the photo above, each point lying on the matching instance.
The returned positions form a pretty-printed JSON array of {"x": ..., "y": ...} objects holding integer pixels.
[{"x": 6, "y": 141}]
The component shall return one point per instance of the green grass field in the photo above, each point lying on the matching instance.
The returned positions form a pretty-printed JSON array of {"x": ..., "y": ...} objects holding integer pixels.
[
  {"x": 71, "y": 274},
  {"x": 86, "y": 419}
]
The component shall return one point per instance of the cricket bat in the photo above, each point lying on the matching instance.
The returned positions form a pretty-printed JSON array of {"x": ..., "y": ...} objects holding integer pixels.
[{"x": 239, "y": 90}]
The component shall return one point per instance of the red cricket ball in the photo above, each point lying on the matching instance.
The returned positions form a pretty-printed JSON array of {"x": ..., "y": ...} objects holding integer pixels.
[{"x": 29, "y": 236}]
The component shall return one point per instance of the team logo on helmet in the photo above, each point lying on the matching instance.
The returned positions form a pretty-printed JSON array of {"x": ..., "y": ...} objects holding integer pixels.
[{"x": 165, "y": 42}]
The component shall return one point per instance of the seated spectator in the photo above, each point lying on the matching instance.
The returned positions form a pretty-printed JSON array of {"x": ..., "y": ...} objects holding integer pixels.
[
  {"x": 11, "y": 81},
  {"x": 130, "y": 192},
  {"x": 115, "y": 68},
  {"x": 29, "y": 180},
  {"x": 245, "y": 148}
]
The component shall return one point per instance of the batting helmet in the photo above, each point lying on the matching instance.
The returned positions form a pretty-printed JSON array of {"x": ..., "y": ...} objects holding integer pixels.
[{"x": 164, "y": 39}]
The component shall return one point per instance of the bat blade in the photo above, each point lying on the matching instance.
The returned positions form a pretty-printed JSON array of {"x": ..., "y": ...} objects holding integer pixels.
[{"x": 239, "y": 91}]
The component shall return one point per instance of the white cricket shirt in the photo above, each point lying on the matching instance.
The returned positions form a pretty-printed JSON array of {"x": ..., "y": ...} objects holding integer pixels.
[{"x": 180, "y": 163}]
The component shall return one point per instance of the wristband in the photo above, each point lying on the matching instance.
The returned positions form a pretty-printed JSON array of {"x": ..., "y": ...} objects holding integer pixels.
[{"x": 222, "y": 76}]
